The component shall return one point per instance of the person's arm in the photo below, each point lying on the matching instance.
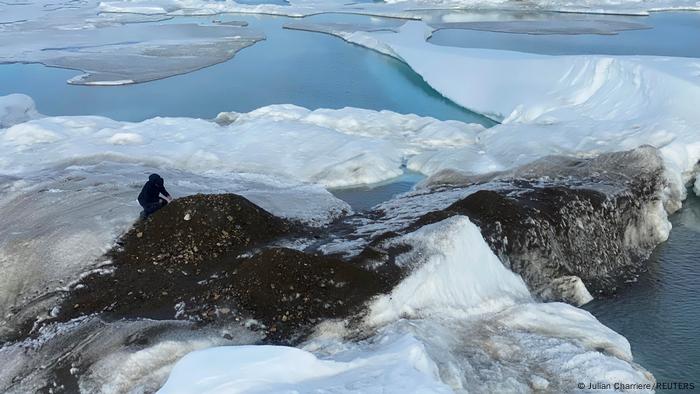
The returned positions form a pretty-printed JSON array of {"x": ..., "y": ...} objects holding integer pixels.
[{"x": 165, "y": 193}]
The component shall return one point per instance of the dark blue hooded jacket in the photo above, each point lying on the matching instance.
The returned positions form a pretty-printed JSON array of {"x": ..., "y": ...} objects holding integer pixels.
[{"x": 152, "y": 190}]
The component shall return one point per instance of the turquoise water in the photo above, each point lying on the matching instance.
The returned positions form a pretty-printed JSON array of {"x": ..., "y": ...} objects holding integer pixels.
[
  {"x": 307, "y": 69},
  {"x": 660, "y": 314},
  {"x": 364, "y": 198}
]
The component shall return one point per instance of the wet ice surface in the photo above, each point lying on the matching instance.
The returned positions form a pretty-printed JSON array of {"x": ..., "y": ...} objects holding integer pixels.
[
  {"x": 669, "y": 36},
  {"x": 535, "y": 27},
  {"x": 112, "y": 49},
  {"x": 118, "y": 55},
  {"x": 122, "y": 355}
]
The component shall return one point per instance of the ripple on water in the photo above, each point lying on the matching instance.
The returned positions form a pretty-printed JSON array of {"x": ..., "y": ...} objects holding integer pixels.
[{"x": 660, "y": 314}]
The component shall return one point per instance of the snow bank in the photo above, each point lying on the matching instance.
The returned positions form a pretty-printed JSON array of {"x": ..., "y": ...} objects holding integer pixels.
[
  {"x": 460, "y": 275},
  {"x": 334, "y": 148},
  {"x": 397, "y": 366},
  {"x": 556, "y": 105},
  {"x": 16, "y": 108}
]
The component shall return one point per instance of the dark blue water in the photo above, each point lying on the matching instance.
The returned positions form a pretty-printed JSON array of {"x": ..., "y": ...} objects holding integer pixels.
[{"x": 660, "y": 314}]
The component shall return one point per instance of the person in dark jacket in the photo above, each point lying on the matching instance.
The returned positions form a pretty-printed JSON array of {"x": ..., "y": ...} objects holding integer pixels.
[{"x": 150, "y": 196}]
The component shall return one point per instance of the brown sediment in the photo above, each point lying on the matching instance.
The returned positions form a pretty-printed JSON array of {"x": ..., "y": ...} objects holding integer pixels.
[
  {"x": 161, "y": 260},
  {"x": 209, "y": 258}
]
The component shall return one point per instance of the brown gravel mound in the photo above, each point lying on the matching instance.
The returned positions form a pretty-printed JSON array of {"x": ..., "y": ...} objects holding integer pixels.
[
  {"x": 162, "y": 259},
  {"x": 286, "y": 288}
]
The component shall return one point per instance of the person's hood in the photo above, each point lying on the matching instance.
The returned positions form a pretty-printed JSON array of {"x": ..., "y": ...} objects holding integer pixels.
[{"x": 155, "y": 178}]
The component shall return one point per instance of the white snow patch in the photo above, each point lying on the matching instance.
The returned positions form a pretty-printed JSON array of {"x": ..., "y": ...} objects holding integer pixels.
[
  {"x": 455, "y": 274},
  {"x": 334, "y": 148},
  {"x": 16, "y": 108},
  {"x": 399, "y": 365},
  {"x": 125, "y": 139}
]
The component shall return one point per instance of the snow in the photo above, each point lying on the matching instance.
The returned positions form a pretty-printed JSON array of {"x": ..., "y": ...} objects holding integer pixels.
[
  {"x": 391, "y": 8},
  {"x": 397, "y": 366},
  {"x": 16, "y": 108},
  {"x": 580, "y": 105},
  {"x": 333, "y": 148},
  {"x": 460, "y": 276}
]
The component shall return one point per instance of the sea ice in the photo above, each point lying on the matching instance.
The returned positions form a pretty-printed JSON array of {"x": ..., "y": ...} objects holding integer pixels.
[
  {"x": 391, "y": 8},
  {"x": 541, "y": 27}
]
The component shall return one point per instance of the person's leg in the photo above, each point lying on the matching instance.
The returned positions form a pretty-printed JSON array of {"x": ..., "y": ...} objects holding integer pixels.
[{"x": 151, "y": 208}]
